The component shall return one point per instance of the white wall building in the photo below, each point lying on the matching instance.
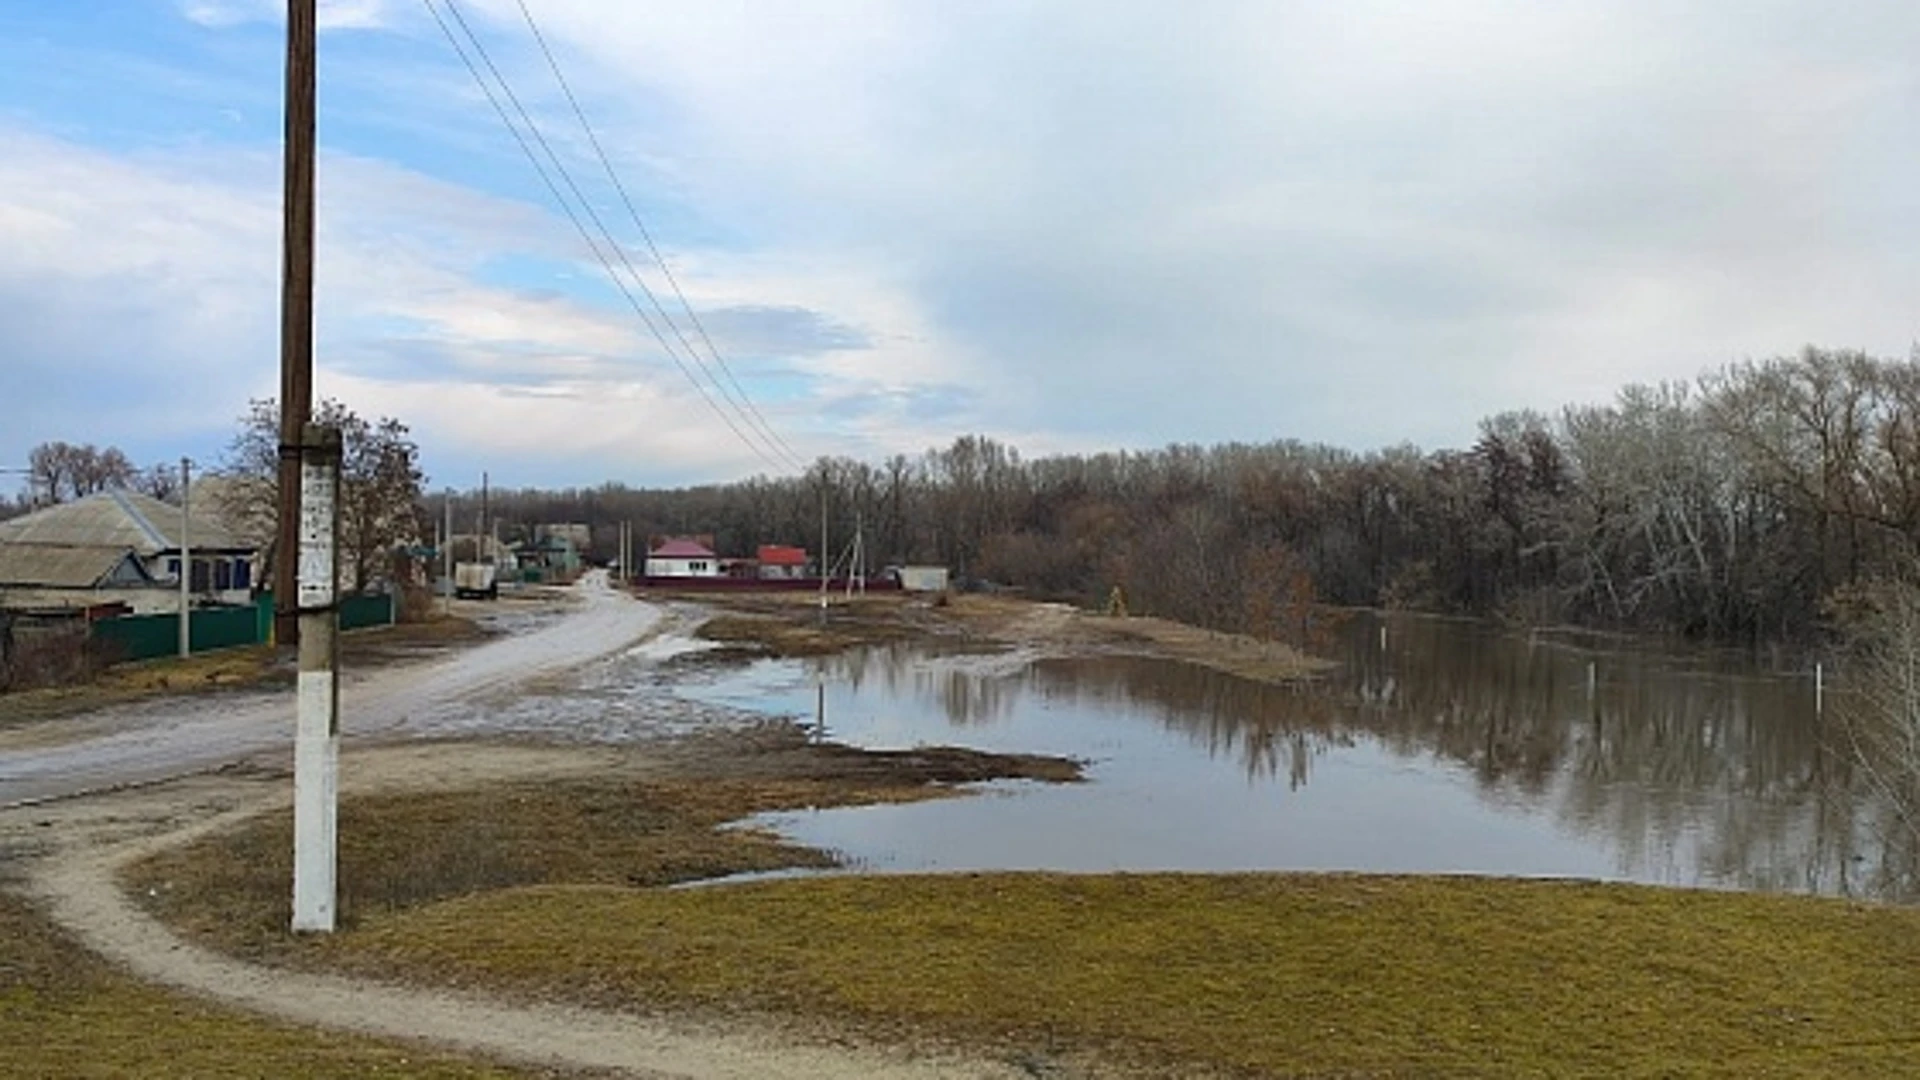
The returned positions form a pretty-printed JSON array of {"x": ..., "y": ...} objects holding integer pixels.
[{"x": 682, "y": 558}]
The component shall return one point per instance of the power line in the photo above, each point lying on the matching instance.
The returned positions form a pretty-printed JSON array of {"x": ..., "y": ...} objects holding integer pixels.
[
  {"x": 554, "y": 189},
  {"x": 666, "y": 271},
  {"x": 566, "y": 175}
]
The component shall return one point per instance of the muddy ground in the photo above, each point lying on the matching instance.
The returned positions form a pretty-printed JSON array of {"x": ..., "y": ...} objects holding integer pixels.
[{"x": 793, "y": 624}]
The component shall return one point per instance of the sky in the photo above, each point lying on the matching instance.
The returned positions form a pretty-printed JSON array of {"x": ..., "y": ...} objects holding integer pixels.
[{"x": 1068, "y": 225}]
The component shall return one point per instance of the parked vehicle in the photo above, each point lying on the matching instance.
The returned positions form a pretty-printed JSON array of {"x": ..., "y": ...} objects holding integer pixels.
[{"x": 476, "y": 581}]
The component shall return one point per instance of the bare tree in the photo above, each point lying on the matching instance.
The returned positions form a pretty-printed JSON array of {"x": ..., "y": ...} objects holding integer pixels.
[{"x": 380, "y": 481}]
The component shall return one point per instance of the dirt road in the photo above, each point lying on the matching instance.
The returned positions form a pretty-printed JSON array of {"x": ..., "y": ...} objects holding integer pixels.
[
  {"x": 69, "y": 853},
  {"x": 192, "y": 735}
]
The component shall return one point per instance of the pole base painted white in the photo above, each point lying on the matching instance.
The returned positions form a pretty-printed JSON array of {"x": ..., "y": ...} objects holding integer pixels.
[{"x": 316, "y": 778}]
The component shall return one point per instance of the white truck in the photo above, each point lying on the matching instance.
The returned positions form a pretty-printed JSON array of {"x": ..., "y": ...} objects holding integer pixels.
[{"x": 476, "y": 581}]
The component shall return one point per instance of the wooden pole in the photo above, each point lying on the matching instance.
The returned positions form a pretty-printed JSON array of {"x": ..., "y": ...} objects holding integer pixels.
[
  {"x": 446, "y": 557},
  {"x": 186, "y": 560},
  {"x": 296, "y": 307}
]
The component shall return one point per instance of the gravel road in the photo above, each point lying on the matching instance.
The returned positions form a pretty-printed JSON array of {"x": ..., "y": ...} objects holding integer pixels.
[{"x": 193, "y": 735}]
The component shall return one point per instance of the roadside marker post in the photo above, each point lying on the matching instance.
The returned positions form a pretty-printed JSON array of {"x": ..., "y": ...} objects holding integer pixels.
[{"x": 316, "y": 745}]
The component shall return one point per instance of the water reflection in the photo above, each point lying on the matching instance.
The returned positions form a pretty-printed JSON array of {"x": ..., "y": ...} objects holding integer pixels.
[{"x": 1688, "y": 768}]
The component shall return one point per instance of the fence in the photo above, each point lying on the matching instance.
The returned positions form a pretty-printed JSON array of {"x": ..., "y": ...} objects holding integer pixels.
[{"x": 145, "y": 637}]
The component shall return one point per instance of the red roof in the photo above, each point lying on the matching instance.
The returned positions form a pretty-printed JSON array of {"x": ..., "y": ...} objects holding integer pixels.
[
  {"x": 777, "y": 555},
  {"x": 680, "y": 549}
]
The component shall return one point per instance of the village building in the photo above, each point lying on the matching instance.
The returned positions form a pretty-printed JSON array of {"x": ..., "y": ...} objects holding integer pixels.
[
  {"x": 682, "y": 557},
  {"x": 922, "y": 578},
  {"x": 777, "y": 562},
  {"x": 120, "y": 547}
]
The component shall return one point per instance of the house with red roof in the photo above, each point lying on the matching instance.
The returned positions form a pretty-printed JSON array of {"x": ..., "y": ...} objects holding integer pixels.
[
  {"x": 779, "y": 562},
  {"x": 682, "y": 557}
]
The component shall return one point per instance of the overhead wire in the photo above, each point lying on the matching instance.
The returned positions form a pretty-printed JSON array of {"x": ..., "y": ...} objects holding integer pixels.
[
  {"x": 534, "y": 128},
  {"x": 767, "y": 453},
  {"x": 666, "y": 270}
]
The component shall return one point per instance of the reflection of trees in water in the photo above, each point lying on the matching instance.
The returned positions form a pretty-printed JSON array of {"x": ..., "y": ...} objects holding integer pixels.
[
  {"x": 971, "y": 688},
  {"x": 1271, "y": 730},
  {"x": 1689, "y": 768},
  {"x": 1693, "y": 768}
]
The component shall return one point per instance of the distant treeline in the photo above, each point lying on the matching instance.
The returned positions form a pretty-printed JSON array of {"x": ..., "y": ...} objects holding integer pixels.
[{"x": 1751, "y": 504}]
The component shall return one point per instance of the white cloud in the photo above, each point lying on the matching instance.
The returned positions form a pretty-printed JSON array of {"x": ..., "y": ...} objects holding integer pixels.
[
  {"x": 1073, "y": 224},
  {"x": 143, "y": 295},
  {"x": 329, "y": 14}
]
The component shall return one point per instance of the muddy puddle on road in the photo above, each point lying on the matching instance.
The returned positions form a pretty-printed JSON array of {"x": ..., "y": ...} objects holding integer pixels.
[{"x": 1452, "y": 748}]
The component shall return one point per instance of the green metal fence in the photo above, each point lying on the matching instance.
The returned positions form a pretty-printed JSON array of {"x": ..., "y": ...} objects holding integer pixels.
[
  {"x": 145, "y": 637},
  {"x": 359, "y": 612}
]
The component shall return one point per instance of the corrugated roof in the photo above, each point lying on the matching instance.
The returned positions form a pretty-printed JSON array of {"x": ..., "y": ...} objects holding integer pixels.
[
  {"x": 781, "y": 555},
  {"x": 58, "y": 566},
  {"x": 119, "y": 519},
  {"x": 680, "y": 549}
]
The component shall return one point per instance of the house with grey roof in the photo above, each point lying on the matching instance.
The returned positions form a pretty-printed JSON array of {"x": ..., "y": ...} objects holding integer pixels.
[{"x": 120, "y": 546}]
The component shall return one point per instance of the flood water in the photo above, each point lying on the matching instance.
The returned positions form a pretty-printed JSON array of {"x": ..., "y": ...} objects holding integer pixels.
[{"x": 1455, "y": 747}]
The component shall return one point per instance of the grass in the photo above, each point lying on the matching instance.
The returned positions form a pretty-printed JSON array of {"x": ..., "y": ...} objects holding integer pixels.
[
  {"x": 66, "y": 1013},
  {"x": 551, "y": 892},
  {"x": 402, "y": 851},
  {"x": 1255, "y": 974}
]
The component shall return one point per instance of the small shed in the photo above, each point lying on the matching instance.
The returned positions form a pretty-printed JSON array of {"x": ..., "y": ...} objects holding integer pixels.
[{"x": 923, "y": 578}]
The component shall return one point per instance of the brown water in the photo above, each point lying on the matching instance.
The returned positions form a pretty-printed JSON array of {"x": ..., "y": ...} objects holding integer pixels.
[{"x": 1454, "y": 748}]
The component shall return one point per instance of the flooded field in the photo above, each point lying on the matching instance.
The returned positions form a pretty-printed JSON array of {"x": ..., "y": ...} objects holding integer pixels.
[{"x": 1438, "y": 746}]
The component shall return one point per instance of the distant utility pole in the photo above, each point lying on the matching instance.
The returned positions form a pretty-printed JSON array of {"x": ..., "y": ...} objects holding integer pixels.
[
  {"x": 186, "y": 559},
  {"x": 296, "y": 307}
]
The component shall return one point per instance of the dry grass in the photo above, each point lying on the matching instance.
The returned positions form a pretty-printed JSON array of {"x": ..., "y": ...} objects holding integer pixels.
[
  {"x": 550, "y": 891},
  {"x": 401, "y": 851},
  {"x": 64, "y": 1012},
  {"x": 1255, "y": 974}
]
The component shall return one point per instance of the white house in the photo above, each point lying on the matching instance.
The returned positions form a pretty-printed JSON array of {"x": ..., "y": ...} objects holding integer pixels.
[
  {"x": 119, "y": 546},
  {"x": 681, "y": 557}
]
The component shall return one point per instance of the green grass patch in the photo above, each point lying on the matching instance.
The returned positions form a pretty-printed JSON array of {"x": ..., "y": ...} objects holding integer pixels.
[
  {"x": 66, "y": 1013},
  {"x": 1256, "y": 974}
]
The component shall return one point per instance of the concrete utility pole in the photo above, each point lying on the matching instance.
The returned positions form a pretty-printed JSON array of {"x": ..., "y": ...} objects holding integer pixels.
[
  {"x": 296, "y": 305},
  {"x": 316, "y": 746},
  {"x": 186, "y": 559}
]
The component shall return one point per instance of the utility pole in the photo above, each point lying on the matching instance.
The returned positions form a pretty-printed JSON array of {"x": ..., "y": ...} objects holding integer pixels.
[
  {"x": 296, "y": 306},
  {"x": 186, "y": 559},
  {"x": 316, "y": 744},
  {"x": 446, "y": 559}
]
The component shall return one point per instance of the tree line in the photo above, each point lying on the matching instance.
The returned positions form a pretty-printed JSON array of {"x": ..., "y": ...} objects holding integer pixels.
[
  {"x": 1753, "y": 503},
  {"x": 1760, "y": 502}
]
